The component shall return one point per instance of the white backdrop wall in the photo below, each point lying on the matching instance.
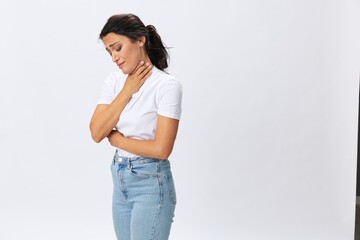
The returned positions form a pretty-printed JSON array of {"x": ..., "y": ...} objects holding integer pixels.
[{"x": 267, "y": 143}]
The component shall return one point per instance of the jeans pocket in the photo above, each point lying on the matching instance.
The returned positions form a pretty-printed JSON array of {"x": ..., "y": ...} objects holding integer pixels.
[
  {"x": 146, "y": 170},
  {"x": 171, "y": 186}
]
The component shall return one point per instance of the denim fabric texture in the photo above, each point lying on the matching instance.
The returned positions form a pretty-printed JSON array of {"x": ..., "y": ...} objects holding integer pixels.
[{"x": 144, "y": 198}]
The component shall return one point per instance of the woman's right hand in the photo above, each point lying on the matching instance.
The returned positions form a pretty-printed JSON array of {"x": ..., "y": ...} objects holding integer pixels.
[
  {"x": 106, "y": 116},
  {"x": 137, "y": 78}
]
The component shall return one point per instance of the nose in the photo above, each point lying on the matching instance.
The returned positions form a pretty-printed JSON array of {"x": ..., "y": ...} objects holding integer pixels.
[{"x": 115, "y": 57}]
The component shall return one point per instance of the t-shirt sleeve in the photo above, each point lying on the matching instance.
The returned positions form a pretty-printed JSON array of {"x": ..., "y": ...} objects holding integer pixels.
[
  {"x": 107, "y": 93},
  {"x": 169, "y": 99}
]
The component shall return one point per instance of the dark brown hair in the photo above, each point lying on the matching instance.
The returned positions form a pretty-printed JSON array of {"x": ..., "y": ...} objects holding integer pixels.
[{"x": 131, "y": 26}]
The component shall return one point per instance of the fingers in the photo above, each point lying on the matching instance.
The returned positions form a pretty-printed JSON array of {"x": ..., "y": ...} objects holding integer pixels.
[
  {"x": 137, "y": 78},
  {"x": 146, "y": 73},
  {"x": 143, "y": 70},
  {"x": 141, "y": 63},
  {"x": 139, "y": 68}
]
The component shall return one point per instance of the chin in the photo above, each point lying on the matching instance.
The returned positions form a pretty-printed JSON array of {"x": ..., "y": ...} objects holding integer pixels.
[{"x": 126, "y": 70}]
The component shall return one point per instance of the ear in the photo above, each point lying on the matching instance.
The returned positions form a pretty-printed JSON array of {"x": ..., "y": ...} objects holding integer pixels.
[{"x": 141, "y": 41}]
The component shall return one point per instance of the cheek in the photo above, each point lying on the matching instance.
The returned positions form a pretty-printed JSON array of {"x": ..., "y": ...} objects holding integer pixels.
[{"x": 133, "y": 59}]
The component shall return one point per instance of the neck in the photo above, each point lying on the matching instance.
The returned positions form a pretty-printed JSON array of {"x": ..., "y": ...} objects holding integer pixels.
[{"x": 145, "y": 58}]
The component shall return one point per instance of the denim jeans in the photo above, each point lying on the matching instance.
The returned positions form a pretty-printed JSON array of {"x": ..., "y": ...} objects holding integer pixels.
[{"x": 144, "y": 198}]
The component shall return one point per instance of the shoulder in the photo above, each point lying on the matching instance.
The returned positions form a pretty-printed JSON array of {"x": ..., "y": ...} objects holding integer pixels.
[
  {"x": 165, "y": 80},
  {"x": 168, "y": 95},
  {"x": 167, "y": 86}
]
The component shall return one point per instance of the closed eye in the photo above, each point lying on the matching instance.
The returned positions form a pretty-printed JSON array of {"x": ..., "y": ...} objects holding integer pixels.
[{"x": 118, "y": 48}]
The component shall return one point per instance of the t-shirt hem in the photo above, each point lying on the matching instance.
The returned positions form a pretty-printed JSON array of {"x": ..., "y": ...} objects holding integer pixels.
[{"x": 170, "y": 115}]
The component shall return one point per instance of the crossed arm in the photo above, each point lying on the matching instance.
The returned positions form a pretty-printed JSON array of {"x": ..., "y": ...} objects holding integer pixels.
[
  {"x": 161, "y": 147},
  {"x": 106, "y": 116}
]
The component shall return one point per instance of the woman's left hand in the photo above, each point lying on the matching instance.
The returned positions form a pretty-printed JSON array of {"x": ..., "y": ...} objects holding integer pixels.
[{"x": 114, "y": 137}]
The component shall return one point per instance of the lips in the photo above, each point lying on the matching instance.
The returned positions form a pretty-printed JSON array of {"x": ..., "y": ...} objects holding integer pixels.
[{"x": 120, "y": 64}]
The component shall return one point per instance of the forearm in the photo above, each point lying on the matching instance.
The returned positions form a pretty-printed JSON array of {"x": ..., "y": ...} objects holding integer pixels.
[
  {"x": 105, "y": 120},
  {"x": 145, "y": 148},
  {"x": 161, "y": 147}
]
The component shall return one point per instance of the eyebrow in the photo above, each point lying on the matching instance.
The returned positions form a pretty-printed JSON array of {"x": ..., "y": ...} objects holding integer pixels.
[{"x": 112, "y": 45}]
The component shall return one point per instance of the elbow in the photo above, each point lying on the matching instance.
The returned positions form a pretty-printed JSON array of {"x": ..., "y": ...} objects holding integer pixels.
[
  {"x": 164, "y": 153},
  {"x": 94, "y": 135},
  {"x": 96, "y": 139},
  {"x": 163, "y": 156}
]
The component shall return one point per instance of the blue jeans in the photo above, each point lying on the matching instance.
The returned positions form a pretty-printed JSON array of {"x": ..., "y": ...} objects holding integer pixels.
[{"x": 144, "y": 198}]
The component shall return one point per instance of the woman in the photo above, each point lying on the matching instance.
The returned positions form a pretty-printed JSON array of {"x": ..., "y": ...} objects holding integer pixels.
[{"x": 139, "y": 111}]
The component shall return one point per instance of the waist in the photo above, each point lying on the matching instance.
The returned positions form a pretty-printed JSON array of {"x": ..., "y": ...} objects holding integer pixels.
[{"x": 134, "y": 160}]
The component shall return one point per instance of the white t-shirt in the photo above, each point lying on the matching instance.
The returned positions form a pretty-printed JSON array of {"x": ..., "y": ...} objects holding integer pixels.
[{"x": 160, "y": 94}]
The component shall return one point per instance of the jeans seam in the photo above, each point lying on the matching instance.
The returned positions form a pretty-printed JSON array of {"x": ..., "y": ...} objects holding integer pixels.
[
  {"x": 156, "y": 217},
  {"x": 171, "y": 188}
]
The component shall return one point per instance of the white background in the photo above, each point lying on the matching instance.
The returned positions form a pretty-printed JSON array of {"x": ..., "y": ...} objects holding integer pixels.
[{"x": 267, "y": 143}]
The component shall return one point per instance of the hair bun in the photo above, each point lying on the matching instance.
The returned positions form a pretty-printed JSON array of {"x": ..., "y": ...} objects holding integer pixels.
[{"x": 151, "y": 28}]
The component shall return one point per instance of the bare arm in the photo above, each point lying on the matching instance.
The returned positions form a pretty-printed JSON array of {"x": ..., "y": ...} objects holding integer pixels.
[
  {"x": 106, "y": 116},
  {"x": 161, "y": 147}
]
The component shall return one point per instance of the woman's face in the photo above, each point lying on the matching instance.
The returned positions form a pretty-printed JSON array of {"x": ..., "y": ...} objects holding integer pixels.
[{"x": 125, "y": 53}]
